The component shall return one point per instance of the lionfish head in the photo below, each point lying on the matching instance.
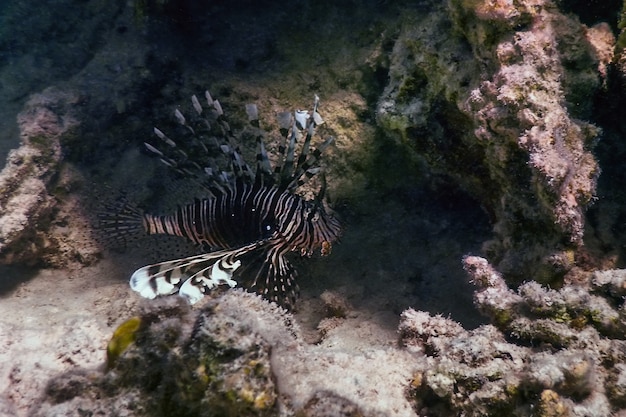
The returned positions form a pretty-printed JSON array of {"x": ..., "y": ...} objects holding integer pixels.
[{"x": 318, "y": 230}]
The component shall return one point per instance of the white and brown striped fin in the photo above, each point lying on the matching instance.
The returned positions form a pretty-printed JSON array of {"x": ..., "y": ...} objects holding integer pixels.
[
  {"x": 191, "y": 277},
  {"x": 293, "y": 127},
  {"x": 307, "y": 168},
  {"x": 268, "y": 273},
  {"x": 203, "y": 142},
  {"x": 257, "y": 268}
]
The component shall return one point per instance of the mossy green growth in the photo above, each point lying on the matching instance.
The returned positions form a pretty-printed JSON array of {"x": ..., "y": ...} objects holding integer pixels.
[
  {"x": 502, "y": 318},
  {"x": 621, "y": 25},
  {"x": 412, "y": 85},
  {"x": 142, "y": 9},
  {"x": 123, "y": 336}
]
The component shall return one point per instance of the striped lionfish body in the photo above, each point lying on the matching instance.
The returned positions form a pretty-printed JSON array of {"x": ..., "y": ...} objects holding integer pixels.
[{"x": 250, "y": 220}]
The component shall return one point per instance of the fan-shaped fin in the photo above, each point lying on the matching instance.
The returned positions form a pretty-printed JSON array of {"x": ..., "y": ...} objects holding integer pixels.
[
  {"x": 267, "y": 272},
  {"x": 191, "y": 276}
]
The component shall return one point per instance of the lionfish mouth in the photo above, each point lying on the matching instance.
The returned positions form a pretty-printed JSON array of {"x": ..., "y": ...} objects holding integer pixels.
[{"x": 325, "y": 249}]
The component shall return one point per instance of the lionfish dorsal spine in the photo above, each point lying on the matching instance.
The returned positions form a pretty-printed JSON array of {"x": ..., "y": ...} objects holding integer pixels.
[
  {"x": 263, "y": 168},
  {"x": 284, "y": 171}
]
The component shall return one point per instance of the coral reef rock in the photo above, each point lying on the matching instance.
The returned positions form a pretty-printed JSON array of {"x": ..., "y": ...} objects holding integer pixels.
[
  {"x": 26, "y": 202},
  {"x": 548, "y": 353},
  {"x": 499, "y": 108},
  {"x": 96, "y": 76}
]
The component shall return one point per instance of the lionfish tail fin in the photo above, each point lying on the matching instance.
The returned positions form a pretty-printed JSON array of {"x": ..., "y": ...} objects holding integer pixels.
[
  {"x": 191, "y": 277},
  {"x": 120, "y": 223}
]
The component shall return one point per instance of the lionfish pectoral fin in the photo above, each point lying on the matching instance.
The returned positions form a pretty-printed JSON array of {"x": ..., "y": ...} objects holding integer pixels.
[
  {"x": 163, "y": 278},
  {"x": 221, "y": 272},
  {"x": 274, "y": 279},
  {"x": 150, "y": 285},
  {"x": 191, "y": 277},
  {"x": 166, "y": 278},
  {"x": 281, "y": 285}
]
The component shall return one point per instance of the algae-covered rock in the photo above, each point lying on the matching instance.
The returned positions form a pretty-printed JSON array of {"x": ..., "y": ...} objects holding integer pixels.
[
  {"x": 499, "y": 108},
  {"x": 479, "y": 373},
  {"x": 208, "y": 365},
  {"x": 26, "y": 201},
  {"x": 179, "y": 362}
]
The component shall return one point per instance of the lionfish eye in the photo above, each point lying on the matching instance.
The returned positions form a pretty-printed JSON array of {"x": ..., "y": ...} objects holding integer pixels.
[
  {"x": 267, "y": 227},
  {"x": 313, "y": 214}
]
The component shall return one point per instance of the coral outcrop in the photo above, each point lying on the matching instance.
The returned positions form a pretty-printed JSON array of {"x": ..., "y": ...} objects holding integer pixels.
[
  {"x": 499, "y": 109},
  {"x": 26, "y": 202},
  {"x": 548, "y": 352},
  {"x": 37, "y": 199},
  {"x": 209, "y": 364}
]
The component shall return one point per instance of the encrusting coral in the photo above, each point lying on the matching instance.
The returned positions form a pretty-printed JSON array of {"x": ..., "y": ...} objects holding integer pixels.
[
  {"x": 549, "y": 352},
  {"x": 503, "y": 119}
]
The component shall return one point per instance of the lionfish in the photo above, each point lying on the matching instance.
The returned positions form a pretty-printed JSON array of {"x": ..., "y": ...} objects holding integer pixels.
[{"x": 249, "y": 221}]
